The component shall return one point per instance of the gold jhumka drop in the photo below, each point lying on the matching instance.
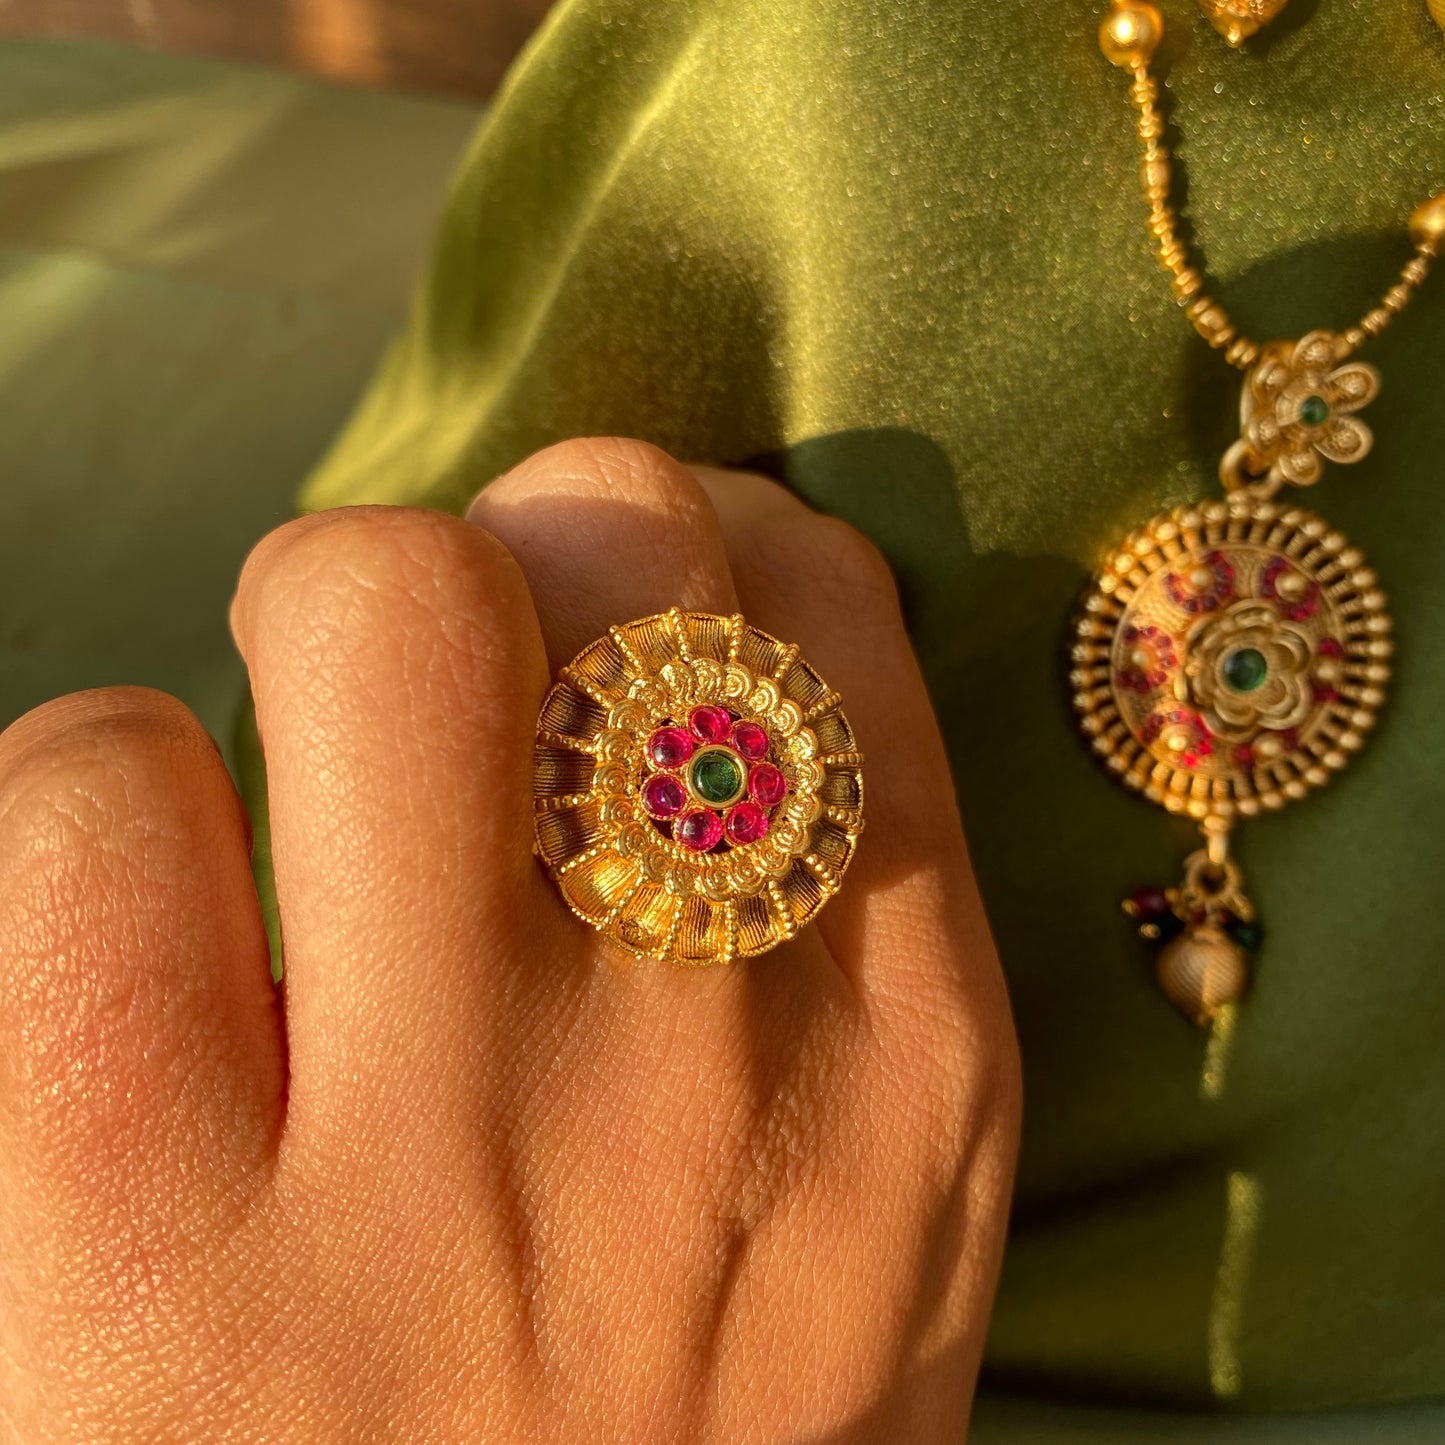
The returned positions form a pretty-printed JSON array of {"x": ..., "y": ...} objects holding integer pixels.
[{"x": 1232, "y": 655}]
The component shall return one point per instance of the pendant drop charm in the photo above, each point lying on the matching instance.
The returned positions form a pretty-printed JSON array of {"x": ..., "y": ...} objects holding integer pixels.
[
  {"x": 1207, "y": 933},
  {"x": 1229, "y": 657}
]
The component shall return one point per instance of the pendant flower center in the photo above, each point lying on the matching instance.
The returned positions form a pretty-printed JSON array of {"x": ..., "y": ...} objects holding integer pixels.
[{"x": 1245, "y": 669}]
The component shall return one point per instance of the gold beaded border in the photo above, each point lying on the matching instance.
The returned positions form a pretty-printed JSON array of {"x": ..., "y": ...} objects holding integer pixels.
[
  {"x": 1317, "y": 549},
  {"x": 615, "y": 870}
]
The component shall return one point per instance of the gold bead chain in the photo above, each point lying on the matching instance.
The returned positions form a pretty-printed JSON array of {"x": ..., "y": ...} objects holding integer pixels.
[{"x": 1129, "y": 36}]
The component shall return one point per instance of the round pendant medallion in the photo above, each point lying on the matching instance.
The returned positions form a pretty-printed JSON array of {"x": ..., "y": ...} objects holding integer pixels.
[{"x": 1230, "y": 656}]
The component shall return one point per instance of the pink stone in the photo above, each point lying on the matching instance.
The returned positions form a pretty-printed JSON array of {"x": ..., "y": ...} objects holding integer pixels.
[
  {"x": 698, "y": 830},
  {"x": 766, "y": 785},
  {"x": 670, "y": 747},
  {"x": 750, "y": 741},
  {"x": 746, "y": 823},
  {"x": 711, "y": 724},
  {"x": 663, "y": 796}
]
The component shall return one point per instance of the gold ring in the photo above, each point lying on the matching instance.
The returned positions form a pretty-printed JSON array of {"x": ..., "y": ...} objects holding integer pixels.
[{"x": 698, "y": 793}]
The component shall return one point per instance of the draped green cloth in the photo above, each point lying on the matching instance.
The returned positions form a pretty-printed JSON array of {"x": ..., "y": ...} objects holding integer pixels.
[{"x": 893, "y": 252}]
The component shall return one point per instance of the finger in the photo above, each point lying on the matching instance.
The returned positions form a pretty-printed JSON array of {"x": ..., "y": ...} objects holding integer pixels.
[
  {"x": 607, "y": 530},
  {"x": 397, "y": 669},
  {"x": 141, "y": 1053},
  {"x": 911, "y": 890}
]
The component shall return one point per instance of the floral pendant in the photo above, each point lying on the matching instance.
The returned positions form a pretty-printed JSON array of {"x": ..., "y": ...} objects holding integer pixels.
[{"x": 1232, "y": 655}]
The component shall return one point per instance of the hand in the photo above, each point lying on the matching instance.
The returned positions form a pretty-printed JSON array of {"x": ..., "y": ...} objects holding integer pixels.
[{"x": 484, "y": 1178}]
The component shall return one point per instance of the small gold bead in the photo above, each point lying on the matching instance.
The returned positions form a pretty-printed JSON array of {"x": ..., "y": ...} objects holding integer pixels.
[
  {"x": 1437, "y": 9},
  {"x": 1131, "y": 33},
  {"x": 1427, "y": 225}
]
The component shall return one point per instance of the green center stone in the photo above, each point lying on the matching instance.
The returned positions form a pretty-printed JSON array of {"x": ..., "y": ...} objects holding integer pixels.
[
  {"x": 1314, "y": 411},
  {"x": 716, "y": 777},
  {"x": 1245, "y": 669}
]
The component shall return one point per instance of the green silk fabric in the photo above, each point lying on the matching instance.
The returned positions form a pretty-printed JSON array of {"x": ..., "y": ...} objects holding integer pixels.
[{"x": 895, "y": 255}]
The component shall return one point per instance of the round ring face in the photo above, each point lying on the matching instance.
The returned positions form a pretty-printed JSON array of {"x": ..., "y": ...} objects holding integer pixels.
[
  {"x": 1230, "y": 657},
  {"x": 698, "y": 791}
]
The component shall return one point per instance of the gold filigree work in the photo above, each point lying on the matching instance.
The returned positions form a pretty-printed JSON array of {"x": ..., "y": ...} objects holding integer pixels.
[
  {"x": 1174, "y": 615},
  {"x": 1298, "y": 412},
  {"x": 1285, "y": 694},
  {"x": 621, "y": 869}
]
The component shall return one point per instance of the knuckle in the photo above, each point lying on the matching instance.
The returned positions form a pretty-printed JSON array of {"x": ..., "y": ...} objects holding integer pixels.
[
  {"x": 612, "y": 468},
  {"x": 857, "y": 567},
  {"x": 359, "y": 572},
  {"x": 980, "y": 1077},
  {"x": 108, "y": 800},
  {"x": 107, "y": 740}
]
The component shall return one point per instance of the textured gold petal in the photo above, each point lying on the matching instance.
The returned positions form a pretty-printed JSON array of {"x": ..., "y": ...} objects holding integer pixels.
[
  {"x": 1315, "y": 352},
  {"x": 1302, "y": 466},
  {"x": 1265, "y": 432},
  {"x": 1349, "y": 440},
  {"x": 1353, "y": 386}
]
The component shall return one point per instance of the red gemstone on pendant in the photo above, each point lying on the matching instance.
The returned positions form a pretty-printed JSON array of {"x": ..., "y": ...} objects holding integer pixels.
[
  {"x": 750, "y": 741},
  {"x": 670, "y": 747},
  {"x": 1149, "y": 905},
  {"x": 766, "y": 785},
  {"x": 746, "y": 823},
  {"x": 698, "y": 830},
  {"x": 711, "y": 724},
  {"x": 663, "y": 796}
]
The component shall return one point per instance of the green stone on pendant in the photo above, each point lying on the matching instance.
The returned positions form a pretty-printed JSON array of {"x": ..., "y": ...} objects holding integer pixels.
[
  {"x": 716, "y": 777},
  {"x": 1245, "y": 669},
  {"x": 1314, "y": 411}
]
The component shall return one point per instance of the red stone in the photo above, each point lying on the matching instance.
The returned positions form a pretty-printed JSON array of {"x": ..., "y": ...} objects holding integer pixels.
[
  {"x": 663, "y": 796},
  {"x": 711, "y": 724},
  {"x": 699, "y": 830},
  {"x": 670, "y": 747},
  {"x": 1149, "y": 905},
  {"x": 750, "y": 741},
  {"x": 1244, "y": 755},
  {"x": 766, "y": 785},
  {"x": 1330, "y": 647},
  {"x": 746, "y": 823}
]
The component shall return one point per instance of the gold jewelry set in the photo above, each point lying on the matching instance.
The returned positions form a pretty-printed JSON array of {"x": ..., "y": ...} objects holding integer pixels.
[
  {"x": 698, "y": 791},
  {"x": 1232, "y": 655}
]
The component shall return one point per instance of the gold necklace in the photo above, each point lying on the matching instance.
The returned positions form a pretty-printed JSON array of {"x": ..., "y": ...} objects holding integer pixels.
[{"x": 1230, "y": 656}]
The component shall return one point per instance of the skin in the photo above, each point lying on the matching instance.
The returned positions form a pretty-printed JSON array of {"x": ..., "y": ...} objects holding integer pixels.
[{"x": 474, "y": 1175}]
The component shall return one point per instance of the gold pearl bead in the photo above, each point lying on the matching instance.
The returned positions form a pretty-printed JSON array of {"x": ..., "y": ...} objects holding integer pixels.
[
  {"x": 1437, "y": 9},
  {"x": 1131, "y": 32},
  {"x": 1201, "y": 971},
  {"x": 1427, "y": 225}
]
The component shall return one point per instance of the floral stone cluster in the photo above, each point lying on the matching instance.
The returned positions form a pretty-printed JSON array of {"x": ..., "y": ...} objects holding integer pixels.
[{"x": 711, "y": 784}]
